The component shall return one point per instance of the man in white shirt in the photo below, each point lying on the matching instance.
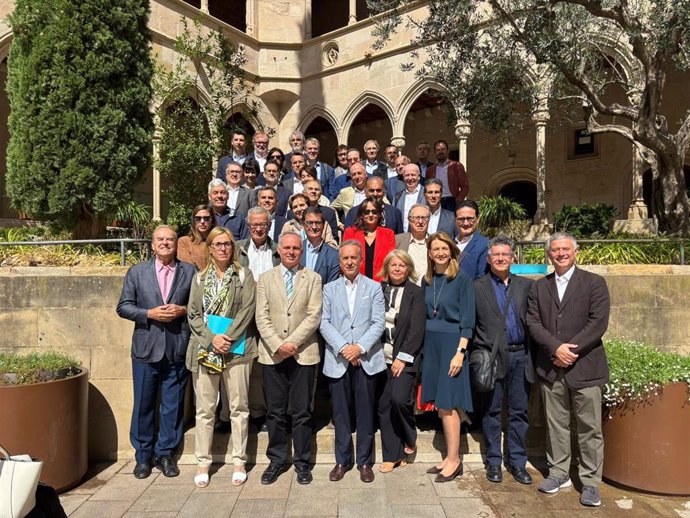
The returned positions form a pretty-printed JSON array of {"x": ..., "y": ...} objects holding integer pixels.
[
  {"x": 371, "y": 163},
  {"x": 239, "y": 197},
  {"x": 414, "y": 241},
  {"x": 260, "y": 142},
  {"x": 238, "y": 153},
  {"x": 324, "y": 172},
  {"x": 412, "y": 194},
  {"x": 391, "y": 152},
  {"x": 440, "y": 219}
]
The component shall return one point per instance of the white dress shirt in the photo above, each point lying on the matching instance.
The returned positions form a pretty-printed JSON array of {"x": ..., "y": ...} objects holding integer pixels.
[
  {"x": 563, "y": 280},
  {"x": 434, "y": 218},
  {"x": 260, "y": 259},
  {"x": 410, "y": 199},
  {"x": 419, "y": 254},
  {"x": 233, "y": 192}
]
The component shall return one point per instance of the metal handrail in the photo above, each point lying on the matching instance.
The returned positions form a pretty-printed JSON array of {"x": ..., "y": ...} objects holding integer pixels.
[{"x": 122, "y": 241}]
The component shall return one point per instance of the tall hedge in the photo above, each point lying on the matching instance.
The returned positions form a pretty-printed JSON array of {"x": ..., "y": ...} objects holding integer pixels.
[{"x": 79, "y": 85}]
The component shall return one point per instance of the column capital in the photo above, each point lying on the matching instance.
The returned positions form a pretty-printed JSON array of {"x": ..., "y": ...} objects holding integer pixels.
[
  {"x": 204, "y": 7},
  {"x": 398, "y": 141},
  {"x": 463, "y": 129}
]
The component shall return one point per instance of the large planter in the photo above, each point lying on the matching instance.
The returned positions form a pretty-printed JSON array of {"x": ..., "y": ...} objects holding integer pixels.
[
  {"x": 646, "y": 443},
  {"x": 49, "y": 421}
]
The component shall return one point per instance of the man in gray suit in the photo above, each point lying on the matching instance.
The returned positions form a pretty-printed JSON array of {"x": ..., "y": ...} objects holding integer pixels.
[
  {"x": 239, "y": 196},
  {"x": 414, "y": 241},
  {"x": 568, "y": 315},
  {"x": 352, "y": 325},
  {"x": 155, "y": 296},
  {"x": 501, "y": 310}
]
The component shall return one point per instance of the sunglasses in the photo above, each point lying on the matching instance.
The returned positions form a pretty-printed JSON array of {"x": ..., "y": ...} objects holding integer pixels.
[
  {"x": 202, "y": 218},
  {"x": 276, "y": 157},
  {"x": 369, "y": 212}
]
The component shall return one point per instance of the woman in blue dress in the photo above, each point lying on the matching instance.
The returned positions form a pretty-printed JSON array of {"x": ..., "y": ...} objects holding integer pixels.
[{"x": 449, "y": 298}]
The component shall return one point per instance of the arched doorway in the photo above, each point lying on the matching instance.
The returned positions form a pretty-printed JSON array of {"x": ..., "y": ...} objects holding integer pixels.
[
  {"x": 524, "y": 192},
  {"x": 237, "y": 121},
  {"x": 322, "y": 130},
  {"x": 370, "y": 123}
]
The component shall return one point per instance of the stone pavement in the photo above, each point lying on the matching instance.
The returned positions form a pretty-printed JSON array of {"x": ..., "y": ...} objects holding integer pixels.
[{"x": 112, "y": 491}]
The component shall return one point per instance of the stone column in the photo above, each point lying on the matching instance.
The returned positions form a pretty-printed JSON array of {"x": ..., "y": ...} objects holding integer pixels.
[
  {"x": 204, "y": 6},
  {"x": 399, "y": 142},
  {"x": 462, "y": 132},
  {"x": 307, "y": 19},
  {"x": 250, "y": 17},
  {"x": 156, "y": 177},
  {"x": 352, "y": 18},
  {"x": 638, "y": 209},
  {"x": 540, "y": 118}
]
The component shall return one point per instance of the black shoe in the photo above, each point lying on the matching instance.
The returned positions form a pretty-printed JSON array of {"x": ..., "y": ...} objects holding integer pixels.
[
  {"x": 272, "y": 472},
  {"x": 221, "y": 426},
  {"x": 258, "y": 424},
  {"x": 442, "y": 478},
  {"x": 521, "y": 475},
  {"x": 167, "y": 465},
  {"x": 303, "y": 474},
  {"x": 493, "y": 474},
  {"x": 142, "y": 470}
]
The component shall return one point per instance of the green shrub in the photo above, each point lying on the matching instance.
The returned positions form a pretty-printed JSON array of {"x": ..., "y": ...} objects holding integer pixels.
[
  {"x": 16, "y": 369},
  {"x": 638, "y": 369},
  {"x": 497, "y": 211},
  {"x": 613, "y": 253},
  {"x": 585, "y": 220}
]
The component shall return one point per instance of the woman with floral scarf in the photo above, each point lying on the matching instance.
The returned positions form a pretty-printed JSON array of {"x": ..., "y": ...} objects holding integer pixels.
[{"x": 222, "y": 289}]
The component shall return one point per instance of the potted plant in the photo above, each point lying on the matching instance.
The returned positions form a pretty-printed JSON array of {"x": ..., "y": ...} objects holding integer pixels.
[
  {"x": 44, "y": 401},
  {"x": 647, "y": 418}
]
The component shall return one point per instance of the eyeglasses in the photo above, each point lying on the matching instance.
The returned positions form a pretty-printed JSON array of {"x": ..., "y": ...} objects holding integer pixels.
[
  {"x": 313, "y": 223},
  {"x": 369, "y": 212},
  {"x": 220, "y": 246},
  {"x": 418, "y": 219},
  {"x": 342, "y": 154},
  {"x": 202, "y": 218},
  {"x": 352, "y": 160},
  {"x": 471, "y": 219},
  {"x": 259, "y": 225}
]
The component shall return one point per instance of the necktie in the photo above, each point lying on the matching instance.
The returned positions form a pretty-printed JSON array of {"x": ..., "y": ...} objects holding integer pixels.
[
  {"x": 165, "y": 289},
  {"x": 288, "y": 283}
]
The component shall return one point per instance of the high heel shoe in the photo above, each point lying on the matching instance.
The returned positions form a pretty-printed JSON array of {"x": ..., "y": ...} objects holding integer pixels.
[
  {"x": 434, "y": 470},
  {"x": 457, "y": 473}
]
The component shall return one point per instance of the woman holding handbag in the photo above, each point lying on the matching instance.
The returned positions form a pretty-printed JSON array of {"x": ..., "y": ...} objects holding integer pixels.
[
  {"x": 450, "y": 314},
  {"x": 402, "y": 347},
  {"x": 223, "y": 294}
]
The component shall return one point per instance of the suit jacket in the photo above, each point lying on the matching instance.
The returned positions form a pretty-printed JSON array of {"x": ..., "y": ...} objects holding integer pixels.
[
  {"x": 277, "y": 227},
  {"x": 245, "y": 196},
  {"x": 408, "y": 332},
  {"x": 241, "y": 310},
  {"x": 399, "y": 202},
  {"x": 446, "y": 223},
  {"x": 458, "y": 183},
  {"x": 327, "y": 262},
  {"x": 344, "y": 201},
  {"x": 242, "y": 255},
  {"x": 140, "y": 292},
  {"x": 391, "y": 216},
  {"x": 393, "y": 186},
  {"x": 473, "y": 259},
  {"x": 280, "y": 320},
  {"x": 385, "y": 242},
  {"x": 381, "y": 171},
  {"x": 282, "y": 201},
  {"x": 423, "y": 171},
  {"x": 223, "y": 164},
  {"x": 581, "y": 318},
  {"x": 364, "y": 327},
  {"x": 490, "y": 324},
  {"x": 237, "y": 223}
]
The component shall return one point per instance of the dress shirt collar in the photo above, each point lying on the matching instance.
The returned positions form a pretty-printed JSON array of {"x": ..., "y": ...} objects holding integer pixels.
[
  {"x": 261, "y": 248},
  {"x": 283, "y": 269},
  {"x": 565, "y": 278},
  {"x": 314, "y": 249},
  {"x": 349, "y": 284},
  {"x": 160, "y": 266},
  {"x": 465, "y": 239}
]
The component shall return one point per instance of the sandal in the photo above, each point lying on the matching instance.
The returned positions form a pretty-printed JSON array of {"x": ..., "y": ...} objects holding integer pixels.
[
  {"x": 387, "y": 467},
  {"x": 239, "y": 478},
  {"x": 201, "y": 480}
]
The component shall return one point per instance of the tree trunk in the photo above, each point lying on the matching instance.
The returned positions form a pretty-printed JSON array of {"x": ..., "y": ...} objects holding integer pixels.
[
  {"x": 671, "y": 205},
  {"x": 89, "y": 226}
]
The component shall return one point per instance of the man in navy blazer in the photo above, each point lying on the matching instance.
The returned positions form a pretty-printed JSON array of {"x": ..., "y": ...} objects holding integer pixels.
[
  {"x": 318, "y": 256},
  {"x": 391, "y": 216},
  {"x": 412, "y": 193},
  {"x": 440, "y": 219},
  {"x": 324, "y": 172},
  {"x": 473, "y": 246},
  {"x": 352, "y": 324},
  {"x": 155, "y": 296}
]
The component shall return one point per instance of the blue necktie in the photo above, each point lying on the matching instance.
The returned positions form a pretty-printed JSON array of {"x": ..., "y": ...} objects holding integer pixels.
[{"x": 288, "y": 283}]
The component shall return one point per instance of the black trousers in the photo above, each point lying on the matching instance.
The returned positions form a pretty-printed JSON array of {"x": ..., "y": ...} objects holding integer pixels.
[
  {"x": 289, "y": 385},
  {"x": 396, "y": 415},
  {"x": 355, "y": 390}
]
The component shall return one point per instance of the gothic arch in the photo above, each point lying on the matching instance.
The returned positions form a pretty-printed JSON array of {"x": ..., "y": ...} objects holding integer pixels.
[
  {"x": 359, "y": 103},
  {"x": 498, "y": 179},
  {"x": 409, "y": 97},
  {"x": 319, "y": 110}
]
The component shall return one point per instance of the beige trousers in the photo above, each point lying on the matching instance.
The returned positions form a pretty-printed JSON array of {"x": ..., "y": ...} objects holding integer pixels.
[
  {"x": 257, "y": 402},
  {"x": 236, "y": 379}
]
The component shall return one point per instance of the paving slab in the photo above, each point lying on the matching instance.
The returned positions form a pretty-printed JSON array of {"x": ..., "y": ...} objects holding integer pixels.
[
  {"x": 101, "y": 509},
  {"x": 254, "y": 489},
  {"x": 269, "y": 508},
  {"x": 469, "y": 508},
  {"x": 123, "y": 487},
  {"x": 415, "y": 511},
  {"x": 202, "y": 504},
  {"x": 163, "y": 498}
]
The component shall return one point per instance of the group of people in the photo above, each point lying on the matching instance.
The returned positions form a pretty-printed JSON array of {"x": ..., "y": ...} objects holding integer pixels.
[{"x": 387, "y": 297}]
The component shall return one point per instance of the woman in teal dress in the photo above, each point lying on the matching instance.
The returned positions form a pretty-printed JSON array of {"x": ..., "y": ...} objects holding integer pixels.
[{"x": 449, "y": 298}]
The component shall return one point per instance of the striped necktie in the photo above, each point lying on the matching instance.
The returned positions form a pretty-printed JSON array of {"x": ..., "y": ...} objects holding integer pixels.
[{"x": 288, "y": 283}]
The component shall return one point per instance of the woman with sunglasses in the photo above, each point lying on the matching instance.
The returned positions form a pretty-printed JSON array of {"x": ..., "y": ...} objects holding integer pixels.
[
  {"x": 223, "y": 289},
  {"x": 276, "y": 155},
  {"x": 192, "y": 247},
  {"x": 377, "y": 241}
]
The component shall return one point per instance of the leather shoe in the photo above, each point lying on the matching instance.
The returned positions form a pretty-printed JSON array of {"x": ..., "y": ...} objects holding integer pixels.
[
  {"x": 303, "y": 474},
  {"x": 442, "y": 478},
  {"x": 142, "y": 470},
  {"x": 493, "y": 474},
  {"x": 167, "y": 465},
  {"x": 338, "y": 472},
  {"x": 221, "y": 426},
  {"x": 270, "y": 475},
  {"x": 521, "y": 475},
  {"x": 433, "y": 470},
  {"x": 366, "y": 474}
]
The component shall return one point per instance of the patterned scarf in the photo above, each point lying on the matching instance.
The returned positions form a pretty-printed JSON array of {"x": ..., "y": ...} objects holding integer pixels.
[{"x": 216, "y": 301}]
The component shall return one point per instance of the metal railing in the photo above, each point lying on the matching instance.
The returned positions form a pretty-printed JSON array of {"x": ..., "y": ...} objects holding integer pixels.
[
  {"x": 681, "y": 242},
  {"x": 123, "y": 242}
]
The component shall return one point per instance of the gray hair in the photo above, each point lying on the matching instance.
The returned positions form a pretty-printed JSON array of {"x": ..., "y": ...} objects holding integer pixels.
[
  {"x": 501, "y": 240},
  {"x": 216, "y": 182},
  {"x": 419, "y": 206},
  {"x": 312, "y": 140},
  {"x": 258, "y": 211},
  {"x": 352, "y": 242},
  {"x": 297, "y": 133},
  {"x": 163, "y": 227},
  {"x": 560, "y": 235},
  {"x": 233, "y": 162},
  {"x": 289, "y": 233},
  {"x": 433, "y": 181}
]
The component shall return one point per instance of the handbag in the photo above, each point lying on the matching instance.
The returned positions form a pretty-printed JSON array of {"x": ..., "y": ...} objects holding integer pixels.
[
  {"x": 483, "y": 363},
  {"x": 424, "y": 407},
  {"x": 19, "y": 476}
]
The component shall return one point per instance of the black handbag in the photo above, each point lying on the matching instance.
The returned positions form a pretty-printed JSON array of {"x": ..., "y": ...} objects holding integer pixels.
[{"x": 483, "y": 363}]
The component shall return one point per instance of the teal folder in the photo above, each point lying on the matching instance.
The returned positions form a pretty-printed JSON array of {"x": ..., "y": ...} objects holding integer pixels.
[{"x": 218, "y": 325}]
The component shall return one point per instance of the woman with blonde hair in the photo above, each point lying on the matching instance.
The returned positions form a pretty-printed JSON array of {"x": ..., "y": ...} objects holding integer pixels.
[
  {"x": 221, "y": 308},
  {"x": 192, "y": 247},
  {"x": 402, "y": 348},
  {"x": 449, "y": 300}
]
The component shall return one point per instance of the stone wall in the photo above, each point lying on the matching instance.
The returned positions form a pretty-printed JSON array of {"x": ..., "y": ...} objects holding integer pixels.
[{"x": 73, "y": 310}]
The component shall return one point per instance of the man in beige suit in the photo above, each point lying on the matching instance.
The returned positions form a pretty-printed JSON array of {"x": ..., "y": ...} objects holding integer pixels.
[
  {"x": 354, "y": 194},
  {"x": 288, "y": 313}
]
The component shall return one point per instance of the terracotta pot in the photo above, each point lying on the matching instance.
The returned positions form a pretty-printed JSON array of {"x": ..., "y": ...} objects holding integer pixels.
[
  {"x": 646, "y": 444},
  {"x": 49, "y": 421}
]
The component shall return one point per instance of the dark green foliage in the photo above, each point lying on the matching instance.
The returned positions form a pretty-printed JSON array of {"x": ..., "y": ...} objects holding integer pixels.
[
  {"x": 79, "y": 84},
  {"x": 18, "y": 369},
  {"x": 497, "y": 211},
  {"x": 585, "y": 220}
]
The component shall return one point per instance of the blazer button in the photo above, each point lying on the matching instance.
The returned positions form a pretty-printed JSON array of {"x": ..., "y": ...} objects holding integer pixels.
[
  {"x": 352, "y": 327},
  {"x": 285, "y": 331},
  {"x": 288, "y": 314}
]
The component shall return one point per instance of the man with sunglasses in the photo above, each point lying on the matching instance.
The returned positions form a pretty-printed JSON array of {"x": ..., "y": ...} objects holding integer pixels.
[{"x": 473, "y": 246}]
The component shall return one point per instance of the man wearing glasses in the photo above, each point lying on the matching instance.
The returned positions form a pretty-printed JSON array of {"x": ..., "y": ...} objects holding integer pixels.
[
  {"x": 318, "y": 256},
  {"x": 473, "y": 246},
  {"x": 414, "y": 241},
  {"x": 260, "y": 142},
  {"x": 345, "y": 180}
]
